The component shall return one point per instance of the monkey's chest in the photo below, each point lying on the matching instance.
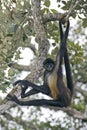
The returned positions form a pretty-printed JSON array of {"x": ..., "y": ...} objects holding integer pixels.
[{"x": 52, "y": 83}]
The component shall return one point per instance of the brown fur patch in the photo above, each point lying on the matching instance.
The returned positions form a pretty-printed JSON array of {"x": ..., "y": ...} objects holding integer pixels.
[{"x": 52, "y": 82}]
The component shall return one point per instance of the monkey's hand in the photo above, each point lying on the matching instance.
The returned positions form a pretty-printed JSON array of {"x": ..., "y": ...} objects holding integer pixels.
[
  {"x": 23, "y": 83},
  {"x": 13, "y": 98},
  {"x": 17, "y": 82}
]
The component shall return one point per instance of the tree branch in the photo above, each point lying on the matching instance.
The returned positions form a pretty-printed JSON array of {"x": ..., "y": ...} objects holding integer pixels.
[
  {"x": 83, "y": 92},
  {"x": 19, "y": 67},
  {"x": 41, "y": 39},
  {"x": 53, "y": 17},
  {"x": 30, "y": 46},
  {"x": 72, "y": 112}
]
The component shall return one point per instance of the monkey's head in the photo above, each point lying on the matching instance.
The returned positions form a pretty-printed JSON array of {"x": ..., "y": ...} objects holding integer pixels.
[{"x": 49, "y": 64}]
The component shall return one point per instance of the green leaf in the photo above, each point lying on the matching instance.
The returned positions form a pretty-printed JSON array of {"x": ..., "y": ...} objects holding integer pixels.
[
  {"x": 11, "y": 72},
  {"x": 64, "y": 2},
  {"x": 85, "y": 23},
  {"x": 54, "y": 44},
  {"x": 1, "y": 58},
  {"x": 24, "y": 37},
  {"x": 47, "y": 3},
  {"x": 54, "y": 11},
  {"x": 9, "y": 35}
]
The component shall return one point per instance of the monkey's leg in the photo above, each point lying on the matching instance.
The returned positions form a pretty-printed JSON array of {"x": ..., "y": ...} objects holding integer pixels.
[{"x": 38, "y": 102}]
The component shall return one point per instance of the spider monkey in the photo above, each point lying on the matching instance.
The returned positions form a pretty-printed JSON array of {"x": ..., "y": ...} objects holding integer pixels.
[{"x": 53, "y": 85}]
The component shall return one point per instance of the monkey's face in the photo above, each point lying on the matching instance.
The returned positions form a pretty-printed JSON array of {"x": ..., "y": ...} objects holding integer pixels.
[
  {"x": 49, "y": 64},
  {"x": 49, "y": 67}
]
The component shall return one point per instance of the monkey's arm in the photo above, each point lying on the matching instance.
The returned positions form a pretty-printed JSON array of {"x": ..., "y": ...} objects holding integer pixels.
[
  {"x": 66, "y": 61},
  {"x": 35, "y": 88}
]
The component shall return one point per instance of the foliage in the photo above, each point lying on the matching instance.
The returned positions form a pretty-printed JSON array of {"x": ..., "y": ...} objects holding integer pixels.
[{"x": 17, "y": 31}]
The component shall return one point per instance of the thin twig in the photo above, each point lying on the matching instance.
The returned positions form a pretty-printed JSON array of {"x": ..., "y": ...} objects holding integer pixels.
[{"x": 72, "y": 7}]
